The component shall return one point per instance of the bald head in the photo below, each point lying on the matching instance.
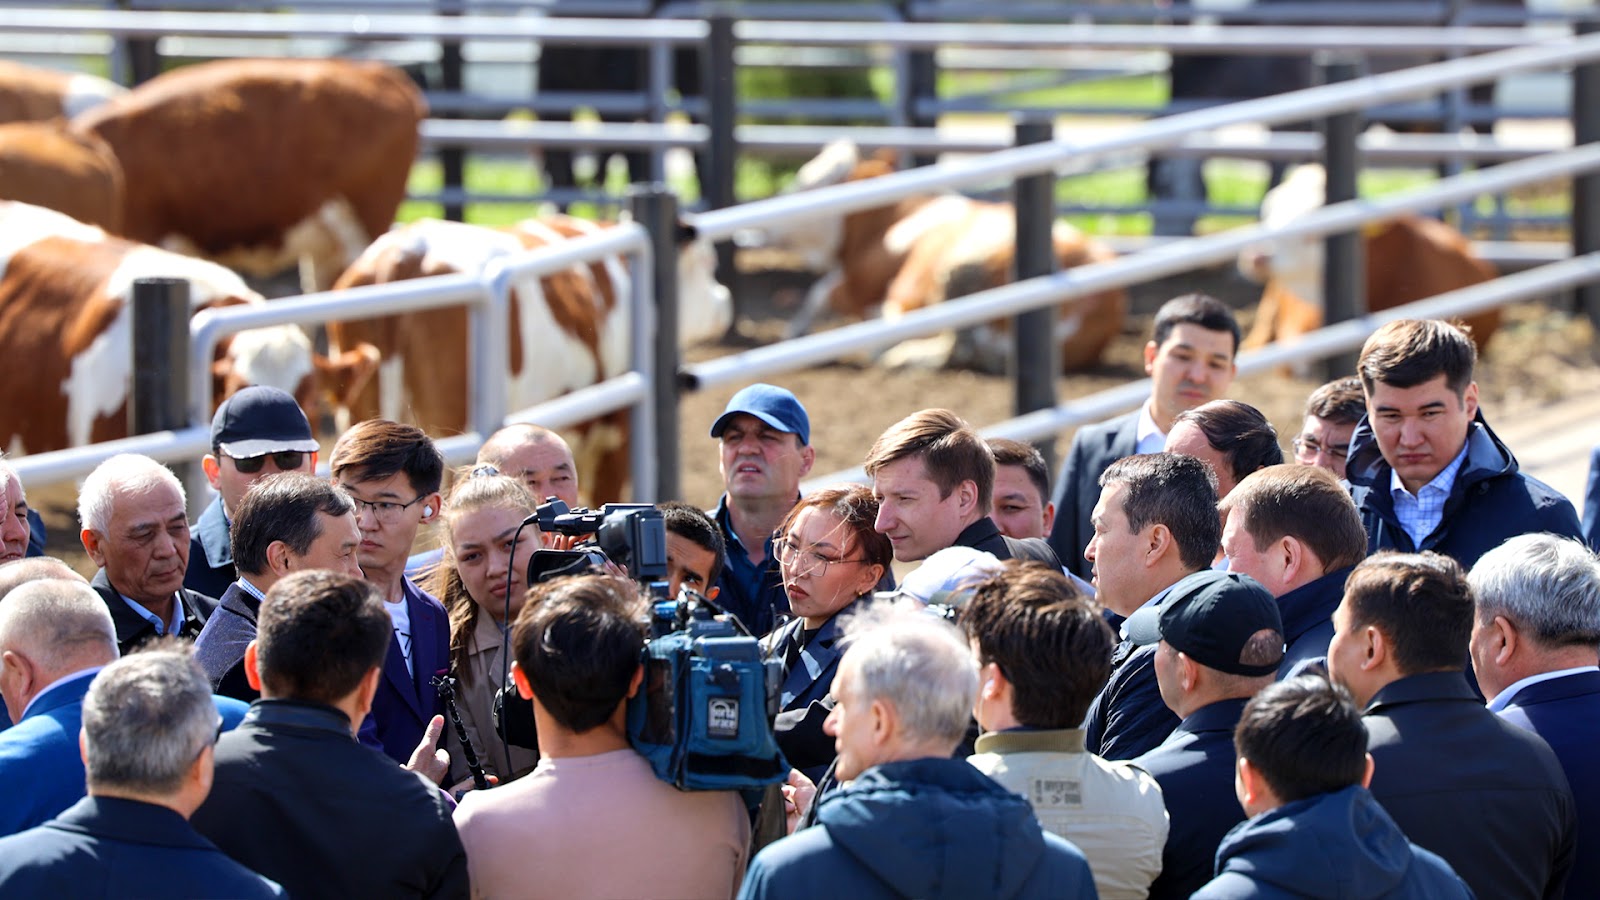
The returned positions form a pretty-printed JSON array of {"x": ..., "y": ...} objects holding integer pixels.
[
  {"x": 19, "y": 572},
  {"x": 50, "y": 629},
  {"x": 538, "y": 457}
]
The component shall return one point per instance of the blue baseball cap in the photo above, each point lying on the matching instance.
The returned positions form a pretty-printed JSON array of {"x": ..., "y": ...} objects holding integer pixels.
[{"x": 773, "y": 405}]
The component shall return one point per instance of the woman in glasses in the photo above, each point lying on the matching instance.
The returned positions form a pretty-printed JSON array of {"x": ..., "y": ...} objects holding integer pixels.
[
  {"x": 831, "y": 560},
  {"x": 482, "y": 581}
]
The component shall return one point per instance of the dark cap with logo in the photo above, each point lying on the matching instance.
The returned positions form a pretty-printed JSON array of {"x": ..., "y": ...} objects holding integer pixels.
[
  {"x": 1210, "y": 617},
  {"x": 259, "y": 420},
  {"x": 771, "y": 404}
]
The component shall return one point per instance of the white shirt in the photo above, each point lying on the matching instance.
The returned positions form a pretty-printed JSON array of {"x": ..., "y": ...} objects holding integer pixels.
[
  {"x": 401, "y": 614},
  {"x": 1151, "y": 439},
  {"x": 1504, "y": 698}
]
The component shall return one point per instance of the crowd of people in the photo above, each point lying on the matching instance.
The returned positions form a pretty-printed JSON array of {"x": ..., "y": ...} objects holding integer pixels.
[{"x": 1195, "y": 668}]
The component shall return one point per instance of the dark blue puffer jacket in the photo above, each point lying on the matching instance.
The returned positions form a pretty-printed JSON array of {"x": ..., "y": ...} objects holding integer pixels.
[
  {"x": 1338, "y": 846},
  {"x": 928, "y": 828}
]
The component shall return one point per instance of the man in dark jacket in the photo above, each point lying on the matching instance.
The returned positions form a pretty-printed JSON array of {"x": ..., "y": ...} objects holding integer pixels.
[
  {"x": 1533, "y": 648},
  {"x": 1424, "y": 468},
  {"x": 1189, "y": 359},
  {"x": 259, "y": 431},
  {"x": 1294, "y": 529},
  {"x": 1156, "y": 524},
  {"x": 286, "y": 523},
  {"x": 295, "y": 796},
  {"x": 136, "y": 530},
  {"x": 1484, "y": 794},
  {"x": 910, "y": 821},
  {"x": 1218, "y": 641},
  {"x": 1315, "y": 830},
  {"x": 130, "y": 837}
]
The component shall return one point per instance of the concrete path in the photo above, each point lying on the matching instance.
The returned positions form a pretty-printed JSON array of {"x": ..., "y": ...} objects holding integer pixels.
[{"x": 1552, "y": 442}]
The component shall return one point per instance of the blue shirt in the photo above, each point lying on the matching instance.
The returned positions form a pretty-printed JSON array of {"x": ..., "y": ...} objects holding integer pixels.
[
  {"x": 161, "y": 628},
  {"x": 1419, "y": 515}
]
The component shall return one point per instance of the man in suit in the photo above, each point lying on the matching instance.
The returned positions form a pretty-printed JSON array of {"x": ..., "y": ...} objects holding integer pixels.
[
  {"x": 1219, "y": 640},
  {"x": 392, "y": 473},
  {"x": 294, "y": 796},
  {"x": 285, "y": 523},
  {"x": 259, "y": 431},
  {"x": 19, "y": 572},
  {"x": 55, "y": 634},
  {"x": 136, "y": 529},
  {"x": 1155, "y": 525},
  {"x": 149, "y": 727},
  {"x": 1537, "y": 624},
  {"x": 1484, "y": 794},
  {"x": 1424, "y": 468},
  {"x": 1294, "y": 529},
  {"x": 934, "y": 480},
  {"x": 1189, "y": 360}
]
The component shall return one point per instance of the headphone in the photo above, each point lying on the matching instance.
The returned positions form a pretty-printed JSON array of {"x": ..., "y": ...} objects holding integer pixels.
[{"x": 427, "y": 511}]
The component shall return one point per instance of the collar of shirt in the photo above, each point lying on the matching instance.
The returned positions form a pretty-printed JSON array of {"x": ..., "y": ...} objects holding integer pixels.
[
  {"x": 252, "y": 590},
  {"x": 172, "y": 627},
  {"x": 1504, "y": 698},
  {"x": 81, "y": 673},
  {"x": 1441, "y": 483},
  {"x": 1150, "y": 438}
]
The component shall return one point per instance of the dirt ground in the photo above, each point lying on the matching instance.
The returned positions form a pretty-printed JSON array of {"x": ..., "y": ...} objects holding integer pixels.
[{"x": 1542, "y": 354}]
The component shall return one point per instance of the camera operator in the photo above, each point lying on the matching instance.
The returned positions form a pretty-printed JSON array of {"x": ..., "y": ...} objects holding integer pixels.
[{"x": 558, "y": 831}]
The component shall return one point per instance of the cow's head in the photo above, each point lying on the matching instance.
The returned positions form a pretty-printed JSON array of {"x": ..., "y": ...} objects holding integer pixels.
[
  {"x": 705, "y": 308},
  {"x": 283, "y": 357}
]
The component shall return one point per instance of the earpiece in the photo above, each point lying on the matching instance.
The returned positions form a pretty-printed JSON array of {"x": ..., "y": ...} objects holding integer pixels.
[{"x": 427, "y": 511}]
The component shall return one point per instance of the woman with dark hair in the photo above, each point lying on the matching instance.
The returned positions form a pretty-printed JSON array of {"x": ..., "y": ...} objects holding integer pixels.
[
  {"x": 482, "y": 584},
  {"x": 831, "y": 560}
]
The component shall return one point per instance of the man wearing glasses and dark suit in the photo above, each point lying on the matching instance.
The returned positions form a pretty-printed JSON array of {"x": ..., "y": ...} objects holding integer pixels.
[{"x": 257, "y": 432}]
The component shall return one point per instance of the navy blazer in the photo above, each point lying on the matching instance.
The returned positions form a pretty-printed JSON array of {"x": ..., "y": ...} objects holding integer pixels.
[
  {"x": 134, "y": 629},
  {"x": 1591, "y": 502},
  {"x": 220, "y": 647},
  {"x": 1484, "y": 794},
  {"x": 1195, "y": 770},
  {"x": 211, "y": 567},
  {"x": 111, "y": 847},
  {"x": 36, "y": 533},
  {"x": 1566, "y": 713},
  {"x": 1128, "y": 718},
  {"x": 1308, "y": 619},
  {"x": 806, "y": 696},
  {"x": 1094, "y": 448},
  {"x": 407, "y": 701}
]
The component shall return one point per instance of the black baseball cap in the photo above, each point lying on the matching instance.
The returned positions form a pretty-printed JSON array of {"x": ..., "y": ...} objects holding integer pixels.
[
  {"x": 1210, "y": 616},
  {"x": 259, "y": 420}
]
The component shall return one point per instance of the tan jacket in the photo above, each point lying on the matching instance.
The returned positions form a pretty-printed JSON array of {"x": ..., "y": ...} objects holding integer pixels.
[
  {"x": 1112, "y": 811},
  {"x": 475, "y": 697}
]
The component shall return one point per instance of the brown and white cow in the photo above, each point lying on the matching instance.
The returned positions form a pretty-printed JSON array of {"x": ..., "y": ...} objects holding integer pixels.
[
  {"x": 66, "y": 330},
  {"x": 924, "y": 250},
  {"x": 1407, "y": 259},
  {"x": 261, "y": 164},
  {"x": 45, "y": 164},
  {"x": 566, "y": 331},
  {"x": 32, "y": 94}
]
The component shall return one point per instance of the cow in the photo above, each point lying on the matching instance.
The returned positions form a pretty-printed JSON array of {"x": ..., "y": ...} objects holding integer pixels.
[
  {"x": 1407, "y": 259},
  {"x": 927, "y": 249},
  {"x": 45, "y": 164},
  {"x": 262, "y": 164},
  {"x": 566, "y": 331},
  {"x": 65, "y": 288},
  {"x": 32, "y": 94}
]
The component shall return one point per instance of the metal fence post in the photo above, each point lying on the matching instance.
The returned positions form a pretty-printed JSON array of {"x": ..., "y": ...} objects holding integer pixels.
[
  {"x": 722, "y": 117},
  {"x": 922, "y": 77},
  {"x": 158, "y": 391},
  {"x": 452, "y": 160},
  {"x": 656, "y": 208},
  {"x": 1033, "y": 350},
  {"x": 1344, "y": 269},
  {"x": 136, "y": 58},
  {"x": 1586, "y": 188}
]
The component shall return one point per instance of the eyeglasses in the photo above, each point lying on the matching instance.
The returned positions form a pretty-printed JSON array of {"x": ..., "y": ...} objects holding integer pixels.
[
  {"x": 803, "y": 562},
  {"x": 286, "y": 460},
  {"x": 385, "y": 511},
  {"x": 1307, "y": 448}
]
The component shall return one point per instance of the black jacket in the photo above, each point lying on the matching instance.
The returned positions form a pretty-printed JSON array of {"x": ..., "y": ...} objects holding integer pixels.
[
  {"x": 1484, "y": 794},
  {"x": 1094, "y": 448},
  {"x": 1565, "y": 712},
  {"x": 298, "y": 800},
  {"x": 1308, "y": 619},
  {"x": 985, "y": 535},
  {"x": 1195, "y": 770},
  {"x": 211, "y": 567},
  {"x": 1490, "y": 501},
  {"x": 134, "y": 629}
]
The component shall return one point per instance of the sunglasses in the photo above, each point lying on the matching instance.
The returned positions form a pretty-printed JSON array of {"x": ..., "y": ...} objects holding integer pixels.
[{"x": 285, "y": 460}]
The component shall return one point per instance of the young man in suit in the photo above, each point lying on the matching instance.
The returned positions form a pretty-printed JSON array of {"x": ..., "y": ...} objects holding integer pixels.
[
  {"x": 392, "y": 473},
  {"x": 1190, "y": 361},
  {"x": 1537, "y": 598}
]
